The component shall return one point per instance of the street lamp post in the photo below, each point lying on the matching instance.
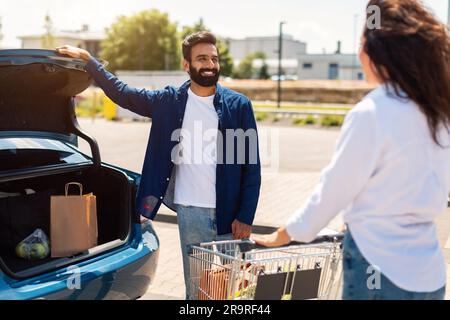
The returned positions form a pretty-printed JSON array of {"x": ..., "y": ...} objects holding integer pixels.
[{"x": 280, "y": 57}]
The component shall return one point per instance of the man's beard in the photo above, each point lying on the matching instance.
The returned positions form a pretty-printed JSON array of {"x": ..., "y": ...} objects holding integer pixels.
[{"x": 202, "y": 80}]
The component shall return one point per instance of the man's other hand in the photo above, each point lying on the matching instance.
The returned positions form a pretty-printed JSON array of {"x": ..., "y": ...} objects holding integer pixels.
[{"x": 240, "y": 230}]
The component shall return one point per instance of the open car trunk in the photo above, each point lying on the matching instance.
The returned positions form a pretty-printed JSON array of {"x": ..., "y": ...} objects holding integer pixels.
[
  {"x": 26, "y": 212},
  {"x": 36, "y": 96}
]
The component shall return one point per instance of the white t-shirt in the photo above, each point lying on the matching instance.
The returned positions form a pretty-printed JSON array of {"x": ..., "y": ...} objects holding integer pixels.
[
  {"x": 392, "y": 181},
  {"x": 195, "y": 183}
]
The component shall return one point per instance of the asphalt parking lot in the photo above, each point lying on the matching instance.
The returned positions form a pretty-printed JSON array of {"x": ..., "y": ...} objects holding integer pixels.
[{"x": 288, "y": 180}]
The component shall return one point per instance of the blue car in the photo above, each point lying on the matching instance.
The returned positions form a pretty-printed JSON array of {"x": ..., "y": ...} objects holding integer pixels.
[{"x": 39, "y": 154}]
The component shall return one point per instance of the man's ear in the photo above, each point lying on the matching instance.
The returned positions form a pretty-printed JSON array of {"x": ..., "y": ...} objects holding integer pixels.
[{"x": 186, "y": 65}]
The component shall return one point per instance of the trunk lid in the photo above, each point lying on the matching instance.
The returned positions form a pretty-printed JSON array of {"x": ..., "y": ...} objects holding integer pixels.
[{"x": 36, "y": 93}]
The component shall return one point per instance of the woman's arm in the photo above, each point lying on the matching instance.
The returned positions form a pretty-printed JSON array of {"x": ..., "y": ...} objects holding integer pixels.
[{"x": 353, "y": 163}]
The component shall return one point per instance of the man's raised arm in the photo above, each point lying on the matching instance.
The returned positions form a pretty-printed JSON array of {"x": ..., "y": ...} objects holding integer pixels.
[{"x": 140, "y": 101}]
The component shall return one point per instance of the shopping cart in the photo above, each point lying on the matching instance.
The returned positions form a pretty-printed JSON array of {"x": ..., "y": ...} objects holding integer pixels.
[{"x": 241, "y": 270}]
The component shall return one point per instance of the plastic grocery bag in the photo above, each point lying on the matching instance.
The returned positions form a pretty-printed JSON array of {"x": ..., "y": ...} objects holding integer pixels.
[{"x": 35, "y": 246}]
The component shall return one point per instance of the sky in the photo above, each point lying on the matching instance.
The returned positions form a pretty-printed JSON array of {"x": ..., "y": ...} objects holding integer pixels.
[{"x": 319, "y": 23}]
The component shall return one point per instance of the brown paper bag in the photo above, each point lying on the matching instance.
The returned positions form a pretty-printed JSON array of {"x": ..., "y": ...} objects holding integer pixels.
[
  {"x": 214, "y": 284},
  {"x": 73, "y": 223}
]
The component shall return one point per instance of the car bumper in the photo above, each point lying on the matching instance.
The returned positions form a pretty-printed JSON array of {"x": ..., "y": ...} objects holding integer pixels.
[{"x": 124, "y": 273}]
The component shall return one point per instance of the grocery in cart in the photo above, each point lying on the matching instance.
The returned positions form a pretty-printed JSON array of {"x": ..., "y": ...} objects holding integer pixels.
[{"x": 241, "y": 270}]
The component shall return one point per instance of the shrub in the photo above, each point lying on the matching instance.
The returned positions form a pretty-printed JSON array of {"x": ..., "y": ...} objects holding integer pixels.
[
  {"x": 299, "y": 121},
  {"x": 332, "y": 121},
  {"x": 310, "y": 120},
  {"x": 261, "y": 116},
  {"x": 276, "y": 118}
]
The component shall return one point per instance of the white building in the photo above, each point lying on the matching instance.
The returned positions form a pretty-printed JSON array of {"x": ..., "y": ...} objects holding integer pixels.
[
  {"x": 288, "y": 66},
  {"x": 335, "y": 66},
  {"x": 240, "y": 48},
  {"x": 296, "y": 62},
  {"x": 84, "y": 38}
]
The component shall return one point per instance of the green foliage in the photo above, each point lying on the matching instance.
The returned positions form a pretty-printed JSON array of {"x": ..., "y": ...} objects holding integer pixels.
[
  {"x": 245, "y": 68},
  {"x": 198, "y": 26},
  {"x": 261, "y": 116},
  {"x": 247, "y": 71},
  {"x": 325, "y": 121},
  {"x": 310, "y": 120},
  {"x": 331, "y": 121},
  {"x": 299, "y": 121},
  {"x": 226, "y": 60},
  {"x": 145, "y": 41},
  {"x": 264, "y": 72}
]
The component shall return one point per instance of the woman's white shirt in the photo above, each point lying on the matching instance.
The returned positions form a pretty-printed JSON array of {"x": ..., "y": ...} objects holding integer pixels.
[{"x": 391, "y": 181}]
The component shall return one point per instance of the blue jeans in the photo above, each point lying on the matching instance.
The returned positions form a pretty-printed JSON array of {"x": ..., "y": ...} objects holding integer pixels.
[
  {"x": 358, "y": 286},
  {"x": 196, "y": 225}
]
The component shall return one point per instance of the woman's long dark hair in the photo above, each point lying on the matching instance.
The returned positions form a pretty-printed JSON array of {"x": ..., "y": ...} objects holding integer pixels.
[{"x": 411, "y": 51}]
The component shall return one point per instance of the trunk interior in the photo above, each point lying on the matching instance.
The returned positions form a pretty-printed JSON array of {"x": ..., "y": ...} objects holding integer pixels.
[{"x": 111, "y": 188}]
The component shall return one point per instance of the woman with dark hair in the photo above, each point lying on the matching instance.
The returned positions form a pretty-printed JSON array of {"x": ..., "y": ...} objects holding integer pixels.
[{"x": 390, "y": 174}]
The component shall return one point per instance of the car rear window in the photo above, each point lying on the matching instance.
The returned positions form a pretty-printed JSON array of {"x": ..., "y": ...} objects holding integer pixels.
[{"x": 22, "y": 153}]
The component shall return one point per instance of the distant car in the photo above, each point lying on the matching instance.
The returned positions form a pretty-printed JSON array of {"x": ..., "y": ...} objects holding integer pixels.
[{"x": 38, "y": 155}]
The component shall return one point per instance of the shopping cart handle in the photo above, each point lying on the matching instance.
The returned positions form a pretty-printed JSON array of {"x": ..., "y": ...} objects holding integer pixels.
[
  {"x": 338, "y": 237},
  {"x": 250, "y": 245}
]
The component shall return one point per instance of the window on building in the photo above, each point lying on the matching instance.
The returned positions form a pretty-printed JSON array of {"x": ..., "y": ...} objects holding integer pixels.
[
  {"x": 307, "y": 65},
  {"x": 333, "y": 71},
  {"x": 360, "y": 76}
]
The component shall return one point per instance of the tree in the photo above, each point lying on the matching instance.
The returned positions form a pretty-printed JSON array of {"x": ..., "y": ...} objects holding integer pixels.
[
  {"x": 198, "y": 26},
  {"x": 246, "y": 69},
  {"x": 226, "y": 61},
  {"x": 48, "y": 39},
  {"x": 263, "y": 72},
  {"x": 145, "y": 41}
]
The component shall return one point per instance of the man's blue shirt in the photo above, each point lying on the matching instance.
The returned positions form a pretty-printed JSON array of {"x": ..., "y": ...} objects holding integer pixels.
[{"x": 237, "y": 182}]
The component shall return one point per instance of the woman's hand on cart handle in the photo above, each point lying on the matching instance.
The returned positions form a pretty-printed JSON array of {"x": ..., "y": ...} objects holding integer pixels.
[{"x": 277, "y": 239}]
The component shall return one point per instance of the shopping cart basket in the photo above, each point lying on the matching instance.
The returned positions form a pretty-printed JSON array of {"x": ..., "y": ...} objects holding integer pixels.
[{"x": 241, "y": 270}]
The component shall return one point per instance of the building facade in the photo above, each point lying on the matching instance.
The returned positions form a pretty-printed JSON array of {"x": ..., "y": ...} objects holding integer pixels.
[
  {"x": 84, "y": 38},
  {"x": 335, "y": 66},
  {"x": 240, "y": 48}
]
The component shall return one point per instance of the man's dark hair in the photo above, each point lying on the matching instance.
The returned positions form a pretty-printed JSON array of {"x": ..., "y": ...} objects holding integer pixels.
[{"x": 196, "y": 38}]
